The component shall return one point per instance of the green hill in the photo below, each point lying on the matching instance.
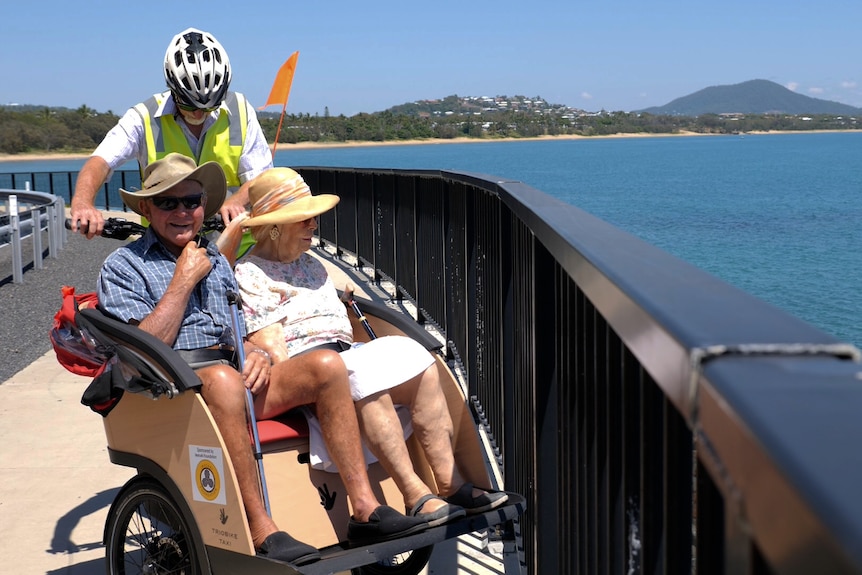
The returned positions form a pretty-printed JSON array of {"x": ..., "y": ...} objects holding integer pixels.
[{"x": 752, "y": 97}]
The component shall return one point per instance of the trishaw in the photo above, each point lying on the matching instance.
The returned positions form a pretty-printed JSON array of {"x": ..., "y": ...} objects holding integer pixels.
[{"x": 182, "y": 512}]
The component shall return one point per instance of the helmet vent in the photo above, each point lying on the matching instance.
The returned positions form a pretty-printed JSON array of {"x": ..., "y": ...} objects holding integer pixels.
[{"x": 197, "y": 68}]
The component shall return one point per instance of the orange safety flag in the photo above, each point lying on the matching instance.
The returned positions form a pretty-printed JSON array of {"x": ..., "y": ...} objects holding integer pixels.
[{"x": 281, "y": 87}]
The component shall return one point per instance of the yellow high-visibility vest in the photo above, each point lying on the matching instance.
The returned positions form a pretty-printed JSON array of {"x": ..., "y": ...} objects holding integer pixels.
[{"x": 223, "y": 142}]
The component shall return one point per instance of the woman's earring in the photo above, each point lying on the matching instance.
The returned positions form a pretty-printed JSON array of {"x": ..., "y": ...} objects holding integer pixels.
[{"x": 274, "y": 233}]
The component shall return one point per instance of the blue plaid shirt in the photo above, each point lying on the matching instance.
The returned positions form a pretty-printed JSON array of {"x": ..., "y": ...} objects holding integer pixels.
[{"x": 135, "y": 277}]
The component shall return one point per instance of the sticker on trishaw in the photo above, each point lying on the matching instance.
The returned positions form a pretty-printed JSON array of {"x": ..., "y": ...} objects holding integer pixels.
[{"x": 207, "y": 467}]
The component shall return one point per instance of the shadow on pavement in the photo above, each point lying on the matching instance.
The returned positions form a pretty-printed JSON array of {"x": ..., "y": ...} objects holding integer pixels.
[
  {"x": 62, "y": 540},
  {"x": 87, "y": 568}
]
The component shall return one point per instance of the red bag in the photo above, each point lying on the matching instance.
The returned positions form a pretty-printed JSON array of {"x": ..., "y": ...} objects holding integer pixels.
[{"x": 76, "y": 350}]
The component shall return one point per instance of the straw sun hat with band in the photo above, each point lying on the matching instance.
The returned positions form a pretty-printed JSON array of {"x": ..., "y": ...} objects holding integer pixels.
[
  {"x": 174, "y": 168},
  {"x": 281, "y": 196}
]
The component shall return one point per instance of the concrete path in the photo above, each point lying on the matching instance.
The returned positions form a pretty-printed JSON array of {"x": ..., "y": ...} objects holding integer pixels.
[{"x": 57, "y": 480}]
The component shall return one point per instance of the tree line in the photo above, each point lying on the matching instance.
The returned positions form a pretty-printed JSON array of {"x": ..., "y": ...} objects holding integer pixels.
[{"x": 32, "y": 129}]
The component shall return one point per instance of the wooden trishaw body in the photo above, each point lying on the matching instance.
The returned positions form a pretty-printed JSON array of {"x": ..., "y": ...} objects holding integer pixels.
[{"x": 175, "y": 445}]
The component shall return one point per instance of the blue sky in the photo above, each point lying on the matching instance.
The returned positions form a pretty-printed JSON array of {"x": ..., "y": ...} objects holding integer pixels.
[{"x": 368, "y": 56}]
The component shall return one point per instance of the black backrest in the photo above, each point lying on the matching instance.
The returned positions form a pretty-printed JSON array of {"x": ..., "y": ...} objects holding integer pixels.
[
  {"x": 403, "y": 322},
  {"x": 154, "y": 352}
]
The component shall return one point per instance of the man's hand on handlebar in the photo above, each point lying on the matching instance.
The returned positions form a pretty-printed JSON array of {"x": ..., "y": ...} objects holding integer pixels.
[
  {"x": 121, "y": 228},
  {"x": 114, "y": 228},
  {"x": 87, "y": 220}
]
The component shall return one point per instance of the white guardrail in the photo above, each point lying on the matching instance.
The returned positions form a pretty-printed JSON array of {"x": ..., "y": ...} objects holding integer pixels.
[{"x": 25, "y": 213}]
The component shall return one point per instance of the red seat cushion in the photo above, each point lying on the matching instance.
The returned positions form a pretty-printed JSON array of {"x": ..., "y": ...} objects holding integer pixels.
[{"x": 290, "y": 425}]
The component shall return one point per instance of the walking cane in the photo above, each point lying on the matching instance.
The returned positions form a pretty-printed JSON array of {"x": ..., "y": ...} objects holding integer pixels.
[
  {"x": 235, "y": 302},
  {"x": 347, "y": 297}
]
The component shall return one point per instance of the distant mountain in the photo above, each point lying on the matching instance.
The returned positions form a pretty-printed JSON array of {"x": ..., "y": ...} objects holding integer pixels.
[{"x": 752, "y": 97}]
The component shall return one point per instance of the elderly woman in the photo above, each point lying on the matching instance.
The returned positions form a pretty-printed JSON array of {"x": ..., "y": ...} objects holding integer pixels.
[{"x": 292, "y": 309}]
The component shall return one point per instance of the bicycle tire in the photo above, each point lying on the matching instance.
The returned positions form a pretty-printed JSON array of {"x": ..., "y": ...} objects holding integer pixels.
[{"x": 147, "y": 534}]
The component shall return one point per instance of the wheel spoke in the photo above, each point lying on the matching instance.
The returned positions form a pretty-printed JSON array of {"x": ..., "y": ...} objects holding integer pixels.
[{"x": 149, "y": 536}]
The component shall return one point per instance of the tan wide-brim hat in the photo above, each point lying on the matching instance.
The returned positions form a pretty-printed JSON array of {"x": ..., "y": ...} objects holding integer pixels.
[
  {"x": 164, "y": 174},
  {"x": 281, "y": 196}
]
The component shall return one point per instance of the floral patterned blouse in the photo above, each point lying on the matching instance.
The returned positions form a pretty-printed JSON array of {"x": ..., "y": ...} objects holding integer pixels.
[{"x": 300, "y": 295}]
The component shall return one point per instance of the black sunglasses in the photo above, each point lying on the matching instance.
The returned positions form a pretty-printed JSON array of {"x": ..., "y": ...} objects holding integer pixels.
[
  {"x": 187, "y": 108},
  {"x": 170, "y": 203}
]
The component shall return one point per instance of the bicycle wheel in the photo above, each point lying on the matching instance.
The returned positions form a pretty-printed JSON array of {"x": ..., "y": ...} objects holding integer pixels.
[
  {"x": 407, "y": 563},
  {"x": 148, "y": 535}
]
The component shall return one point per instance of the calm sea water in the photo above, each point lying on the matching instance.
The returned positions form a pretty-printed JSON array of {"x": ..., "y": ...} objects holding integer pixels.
[{"x": 779, "y": 216}]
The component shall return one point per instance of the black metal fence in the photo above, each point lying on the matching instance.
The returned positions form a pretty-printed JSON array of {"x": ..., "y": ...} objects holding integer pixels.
[
  {"x": 657, "y": 419},
  {"x": 62, "y": 184}
]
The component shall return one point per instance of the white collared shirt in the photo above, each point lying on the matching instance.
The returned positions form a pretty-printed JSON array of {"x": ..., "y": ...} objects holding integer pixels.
[{"x": 126, "y": 141}]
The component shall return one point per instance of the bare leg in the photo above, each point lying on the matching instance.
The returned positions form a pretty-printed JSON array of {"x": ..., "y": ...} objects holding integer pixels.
[
  {"x": 382, "y": 431},
  {"x": 432, "y": 425},
  {"x": 320, "y": 377},
  {"x": 224, "y": 394}
]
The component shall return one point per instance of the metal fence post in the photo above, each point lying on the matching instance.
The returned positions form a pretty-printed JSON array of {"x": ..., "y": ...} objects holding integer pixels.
[
  {"x": 56, "y": 227},
  {"x": 36, "y": 232},
  {"x": 60, "y": 214},
  {"x": 17, "y": 272},
  {"x": 53, "y": 238}
]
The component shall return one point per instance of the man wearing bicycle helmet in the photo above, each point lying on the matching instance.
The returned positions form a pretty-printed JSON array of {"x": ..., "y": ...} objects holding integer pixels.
[{"x": 196, "y": 116}]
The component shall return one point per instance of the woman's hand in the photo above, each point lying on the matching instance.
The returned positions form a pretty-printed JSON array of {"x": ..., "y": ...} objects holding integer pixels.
[
  {"x": 271, "y": 338},
  {"x": 228, "y": 241},
  {"x": 256, "y": 370},
  {"x": 232, "y": 207}
]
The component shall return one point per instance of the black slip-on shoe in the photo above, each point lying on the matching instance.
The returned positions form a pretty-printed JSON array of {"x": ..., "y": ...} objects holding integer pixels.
[
  {"x": 384, "y": 524},
  {"x": 282, "y": 547},
  {"x": 447, "y": 513},
  {"x": 485, "y": 502}
]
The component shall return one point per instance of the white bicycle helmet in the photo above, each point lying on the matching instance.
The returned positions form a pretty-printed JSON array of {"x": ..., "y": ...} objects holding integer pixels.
[{"x": 197, "y": 69}]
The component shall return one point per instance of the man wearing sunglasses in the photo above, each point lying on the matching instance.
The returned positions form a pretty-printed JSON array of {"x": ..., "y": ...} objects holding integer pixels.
[
  {"x": 197, "y": 116},
  {"x": 173, "y": 284}
]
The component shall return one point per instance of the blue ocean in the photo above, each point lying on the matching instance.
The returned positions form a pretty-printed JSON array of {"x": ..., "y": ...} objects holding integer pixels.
[{"x": 778, "y": 215}]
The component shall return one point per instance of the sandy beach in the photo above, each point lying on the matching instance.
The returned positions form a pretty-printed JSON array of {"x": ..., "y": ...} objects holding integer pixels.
[
  {"x": 308, "y": 145},
  {"x": 434, "y": 141}
]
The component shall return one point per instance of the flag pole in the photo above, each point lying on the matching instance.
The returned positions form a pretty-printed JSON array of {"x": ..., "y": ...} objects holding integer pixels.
[{"x": 280, "y": 93}]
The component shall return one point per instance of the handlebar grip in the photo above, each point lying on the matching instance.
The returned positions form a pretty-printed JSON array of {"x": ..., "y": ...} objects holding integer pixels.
[
  {"x": 68, "y": 225},
  {"x": 114, "y": 228},
  {"x": 121, "y": 229}
]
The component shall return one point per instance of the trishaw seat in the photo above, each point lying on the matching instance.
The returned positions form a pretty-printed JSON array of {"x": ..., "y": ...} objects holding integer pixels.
[{"x": 289, "y": 425}]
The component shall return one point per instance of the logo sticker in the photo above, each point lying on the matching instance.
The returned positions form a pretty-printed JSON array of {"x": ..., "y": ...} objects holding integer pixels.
[{"x": 207, "y": 468}]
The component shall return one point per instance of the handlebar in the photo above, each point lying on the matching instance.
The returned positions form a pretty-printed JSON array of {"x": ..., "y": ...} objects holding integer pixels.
[
  {"x": 116, "y": 228},
  {"x": 121, "y": 228}
]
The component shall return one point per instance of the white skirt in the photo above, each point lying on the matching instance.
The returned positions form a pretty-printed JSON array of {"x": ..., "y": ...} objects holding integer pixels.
[
  {"x": 384, "y": 363},
  {"x": 373, "y": 367}
]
